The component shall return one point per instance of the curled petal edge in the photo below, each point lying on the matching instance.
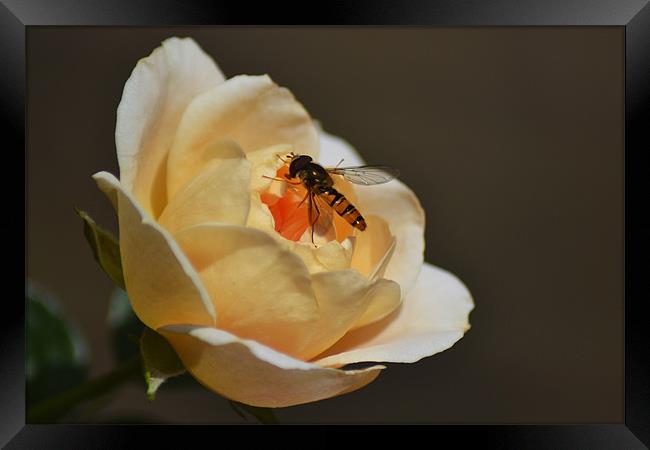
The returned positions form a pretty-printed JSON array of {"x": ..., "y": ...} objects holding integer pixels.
[
  {"x": 249, "y": 372},
  {"x": 432, "y": 318},
  {"x": 149, "y": 309},
  {"x": 157, "y": 92}
]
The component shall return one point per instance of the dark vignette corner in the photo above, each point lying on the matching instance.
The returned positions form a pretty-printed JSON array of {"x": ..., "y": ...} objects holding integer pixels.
[{"x": 637, "y": 391}]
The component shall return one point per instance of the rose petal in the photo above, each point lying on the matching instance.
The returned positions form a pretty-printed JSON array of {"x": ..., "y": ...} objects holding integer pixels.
[
  {"x": 383, "y": 303},
  {"x": 343, "y": 297},
  {"x": 252, "y": 110},
  {"x": 431, "y": 319},
  {"x": 380, "y": 267},
  {"x": 249, "y": 372},
  {"x": 336, "y": 255},
  {"x": 260, "y": 290},
  {"x": 162, "y": 285},
  {"x": 265, "y": 163},
  {"x": 154, "y": 98},
  {"x": 396, "y": 204},
  {"x": 219, "y": 193},
  {"x": 333, "y": 255},
  {"x": 259, "y": 216},
  {"x": 405, "y": 218},
  {"x": 372, "y": 247}
]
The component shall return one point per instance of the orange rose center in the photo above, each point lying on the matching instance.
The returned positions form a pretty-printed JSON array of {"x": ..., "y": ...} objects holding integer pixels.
[{"x": 291, "y": 211}]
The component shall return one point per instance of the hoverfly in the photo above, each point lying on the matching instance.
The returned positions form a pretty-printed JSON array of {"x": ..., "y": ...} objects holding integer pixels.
[{"x": 319, "y": 184}]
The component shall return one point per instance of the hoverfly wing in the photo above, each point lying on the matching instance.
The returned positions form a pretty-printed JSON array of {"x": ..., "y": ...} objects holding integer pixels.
[
  {"x": 366, "y": 175},
  {"x": 322, "y": 217}
]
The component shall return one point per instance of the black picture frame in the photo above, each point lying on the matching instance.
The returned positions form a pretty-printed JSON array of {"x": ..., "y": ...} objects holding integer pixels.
[{"x": 17, "y": 16}]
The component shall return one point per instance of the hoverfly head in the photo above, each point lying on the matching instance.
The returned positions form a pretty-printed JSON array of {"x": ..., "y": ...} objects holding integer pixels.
[{"x": 298, "y": 163}]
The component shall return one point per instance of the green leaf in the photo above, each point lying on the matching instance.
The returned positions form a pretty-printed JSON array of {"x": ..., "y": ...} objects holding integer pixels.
[
  {"x": 124, "y": 325},
  {"x": 105, "y": 247},
  {"x": 57, "y": 355},
  {"x": 160, "y": 361},
  {"x": 263, "y": 415}
]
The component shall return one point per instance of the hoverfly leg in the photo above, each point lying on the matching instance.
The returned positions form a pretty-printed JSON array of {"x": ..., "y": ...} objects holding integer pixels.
[
  {"x": 303, "y": 200},
  {"x": 281, "y": 179},
  {"x": 312, "y": 223},
  {"x": 272, "y": 178},
  {"x": 310, "y": 215},
  {"x": 288, "y": 159}
]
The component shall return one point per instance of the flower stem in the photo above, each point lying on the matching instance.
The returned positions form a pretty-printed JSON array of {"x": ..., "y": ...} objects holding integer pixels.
[
  {"x": 263, "y": 415},
  {"x": 51, "y": 409}
]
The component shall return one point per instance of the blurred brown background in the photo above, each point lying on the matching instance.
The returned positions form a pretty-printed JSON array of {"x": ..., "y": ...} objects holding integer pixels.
[{"x": 511, "y": 137}]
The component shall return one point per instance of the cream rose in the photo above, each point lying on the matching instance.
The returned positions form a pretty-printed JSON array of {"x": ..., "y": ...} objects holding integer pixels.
[{"x": 255, "y": 313}]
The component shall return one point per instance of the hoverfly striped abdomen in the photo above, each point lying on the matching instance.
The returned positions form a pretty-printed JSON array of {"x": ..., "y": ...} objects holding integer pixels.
[{"x": 343, "y": 207}]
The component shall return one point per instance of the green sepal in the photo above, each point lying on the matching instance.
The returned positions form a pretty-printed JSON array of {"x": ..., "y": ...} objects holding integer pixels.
[
  {"x": 105, "y": 247},
  {"x": 160, "y": 361}
]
